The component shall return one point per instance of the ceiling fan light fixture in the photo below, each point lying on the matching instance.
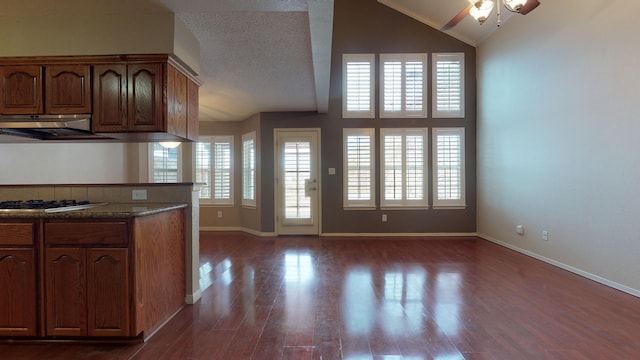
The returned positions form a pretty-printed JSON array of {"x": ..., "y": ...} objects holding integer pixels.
[
  {"x": 481, "y": 10},
  {"x": 514, "y": 5}
]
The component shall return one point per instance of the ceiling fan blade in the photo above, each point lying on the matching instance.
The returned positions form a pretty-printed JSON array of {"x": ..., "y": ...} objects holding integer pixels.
[
  {"x": 456, "y": 19},
  {"x": 528, "y": 6}
]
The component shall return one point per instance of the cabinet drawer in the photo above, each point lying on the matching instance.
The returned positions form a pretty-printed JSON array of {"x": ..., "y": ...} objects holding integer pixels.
[
  {"x": 16, "y": 234},
  {"x": 90, "y": 233}
]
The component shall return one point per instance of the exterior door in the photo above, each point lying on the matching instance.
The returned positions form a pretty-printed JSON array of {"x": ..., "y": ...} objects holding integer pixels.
[{"x": 297, "y": 182}]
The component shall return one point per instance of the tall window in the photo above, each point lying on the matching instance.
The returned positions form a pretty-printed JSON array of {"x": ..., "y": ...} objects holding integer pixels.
[
  {"x": 404, "y": 168},
  {"x": 359, "y": 168},
  {"x": 164, "y": 164},
  {"x": 402, "y": 85},
  {"x": 358, "y": 87},
  {"x": 249, "y": 169},
  {"x": 448, "y": 163},
  {"x": 214, "y": 169},
  {"x": 448, "y": 85}
]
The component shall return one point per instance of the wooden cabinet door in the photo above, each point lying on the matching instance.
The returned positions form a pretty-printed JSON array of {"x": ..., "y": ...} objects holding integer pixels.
[
  {"x": 108, "y": 292},
  {"x": 67, "y": 89},
  {"x": 18, "y": 310},
  {"x": 193, "y": 119},
  {"x": 65, "y": 290},
  {"x": 109, "y": 98},
  {"x": 21, "y": 90},
  {"x": 146, "y": 109},
  {"x": 177, "y": 102}
]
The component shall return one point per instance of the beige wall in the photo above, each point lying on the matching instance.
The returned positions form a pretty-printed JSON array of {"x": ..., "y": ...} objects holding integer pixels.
[
  {"x": 77, "y": 27},
  {"x": 558, "y": 137},
  {"x": 230, "y": 219},
  {"x": 57, "y": 163}
]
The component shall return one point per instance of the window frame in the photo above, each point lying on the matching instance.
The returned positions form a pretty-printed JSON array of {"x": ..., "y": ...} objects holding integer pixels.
[
  {"x": 349, "y": 58},
  {"x": 423, "y": 58},
  {"x": 151, "y": 163},
  {"x": 404, "y": 203},
  {"x": 368, "y": 204},
  {"x": 212, "y": 141},
  {"x": 246, "y": 168},
  {"x": 449, "y": 203},
  {"x": 435, "y": 112}
]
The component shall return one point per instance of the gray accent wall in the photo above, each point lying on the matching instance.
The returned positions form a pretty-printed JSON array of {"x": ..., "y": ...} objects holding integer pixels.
[{"x": 365, "y": 26}]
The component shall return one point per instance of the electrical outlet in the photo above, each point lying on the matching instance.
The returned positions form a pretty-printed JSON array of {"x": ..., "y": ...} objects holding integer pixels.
[
  {"x": 138, "y": 194},
  {"x": 219, "y": 214},
  {"x": 384, "y": 217},
  {"x": 520, "y": 230},
  {"x": 545, "y": 235}
]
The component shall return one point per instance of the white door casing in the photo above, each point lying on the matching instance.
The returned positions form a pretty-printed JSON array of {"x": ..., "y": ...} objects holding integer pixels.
[{"x": 297, "y": 181}]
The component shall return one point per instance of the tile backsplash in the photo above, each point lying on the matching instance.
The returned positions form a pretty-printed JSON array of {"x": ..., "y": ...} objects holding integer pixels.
[{"x": 116, "y": 193}]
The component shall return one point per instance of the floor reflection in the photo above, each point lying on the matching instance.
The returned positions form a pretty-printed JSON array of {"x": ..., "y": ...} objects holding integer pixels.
[
  {"x": 359, "y": 302},
  {"x": 447, "y": 306}
]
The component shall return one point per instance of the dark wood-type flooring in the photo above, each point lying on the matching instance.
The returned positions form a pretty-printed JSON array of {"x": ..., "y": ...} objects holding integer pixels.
[{"x": 355, "y": 299}]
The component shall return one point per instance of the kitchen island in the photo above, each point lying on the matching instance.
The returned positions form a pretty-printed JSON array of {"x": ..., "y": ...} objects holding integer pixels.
[{"x": 110, "y": 272}]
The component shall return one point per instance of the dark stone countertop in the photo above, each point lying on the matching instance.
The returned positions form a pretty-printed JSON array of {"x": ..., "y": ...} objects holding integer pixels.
[{"x": 106, "y": 210}]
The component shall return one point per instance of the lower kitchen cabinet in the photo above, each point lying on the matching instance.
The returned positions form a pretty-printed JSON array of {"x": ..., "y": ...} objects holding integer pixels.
[
  {"x": 108, "y": 292},
  {"x": 18, "y": 316},
  {"x": 87, "y": 292},
  {"x": 114, "y": 279}
]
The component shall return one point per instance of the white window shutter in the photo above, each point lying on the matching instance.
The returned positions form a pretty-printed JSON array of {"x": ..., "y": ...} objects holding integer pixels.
[
  {"x": 249, "y": 169},
  {"x": 359, "y": 160},
  {"x": 404, "y": 168},
  {"x": 358, "y": 86},
  {"x": 449, "y": 165},
  {"x": 402, "y": 85},
  {"x": 448, "y": 85}
]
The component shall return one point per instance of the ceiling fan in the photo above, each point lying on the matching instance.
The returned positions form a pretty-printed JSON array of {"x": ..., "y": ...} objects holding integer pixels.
[{"x": 481, "y": 9}]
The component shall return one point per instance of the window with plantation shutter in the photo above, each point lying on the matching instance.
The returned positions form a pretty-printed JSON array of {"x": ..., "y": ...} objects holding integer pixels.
[
  {"x": 164, "y": 164},
  {"x": 404, "y": 168},
  {"x": 214, "y": 169},
  {"x": 448, "y": 168},
  {"x": 203, "y": 168},
  {"x": 402, "y": 85},
  {"x": 359, "y": 169},
  {"x": 448, "y": 85},
  {"x": 358, "y": 86},
  {"x": 249, "y": 169}
]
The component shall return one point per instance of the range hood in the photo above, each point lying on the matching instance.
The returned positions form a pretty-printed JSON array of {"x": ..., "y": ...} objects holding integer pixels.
[{"x": 49, "y": 127}]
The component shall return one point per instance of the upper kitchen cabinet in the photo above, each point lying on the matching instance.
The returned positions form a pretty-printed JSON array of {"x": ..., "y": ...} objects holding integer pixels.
[
  {"x": 128, "y": 97},
  {"x": 66, "y": 89},
  {"x": 21, "y": 90},
  {"x": 144, "y": 101},
  {"x": 131, "y": 98}
]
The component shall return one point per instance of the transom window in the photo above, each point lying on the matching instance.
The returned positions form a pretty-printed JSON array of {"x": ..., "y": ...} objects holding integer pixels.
[
  {"x": 402, "y": 85},
  {"x": 448, "y": 85},
  {"x": 358, "y": 86}
]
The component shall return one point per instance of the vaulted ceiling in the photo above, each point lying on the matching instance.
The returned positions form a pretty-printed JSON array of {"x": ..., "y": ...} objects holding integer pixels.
[{"x": 274, "y": 55}]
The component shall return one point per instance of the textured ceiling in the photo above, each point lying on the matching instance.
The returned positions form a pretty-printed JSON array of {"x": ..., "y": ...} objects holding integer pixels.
[{"x": 257, "y": 55}]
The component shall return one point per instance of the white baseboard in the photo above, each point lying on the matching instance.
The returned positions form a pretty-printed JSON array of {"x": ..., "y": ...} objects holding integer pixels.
[
  {"x": 193, "y": 298},
  {"x": 220, "y": 228},
  {"x": 239, "y": 228},
  {"x": 588, "y": 275},
  {"x": 397, "y": 234}
]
